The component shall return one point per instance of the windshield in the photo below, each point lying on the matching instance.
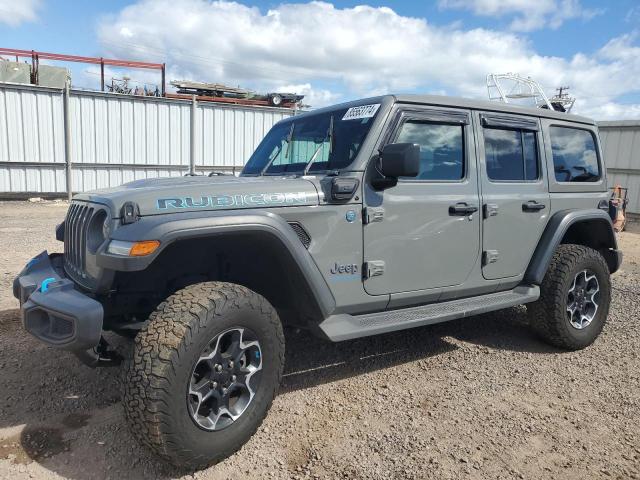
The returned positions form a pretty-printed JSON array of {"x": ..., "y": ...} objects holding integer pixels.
[{"x": 326, "y": 141}]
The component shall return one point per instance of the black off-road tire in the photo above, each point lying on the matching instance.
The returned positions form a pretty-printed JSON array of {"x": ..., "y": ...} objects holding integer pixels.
[
  {"x": 548, "y": 315},
  {"x": 165, "y": 352}
]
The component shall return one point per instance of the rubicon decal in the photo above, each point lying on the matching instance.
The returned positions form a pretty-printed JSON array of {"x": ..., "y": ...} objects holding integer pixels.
[{"x": 234, "y": 200}]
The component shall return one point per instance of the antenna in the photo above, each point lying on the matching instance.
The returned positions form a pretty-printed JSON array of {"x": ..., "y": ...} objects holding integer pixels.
[{"x": 561, "y": 101}]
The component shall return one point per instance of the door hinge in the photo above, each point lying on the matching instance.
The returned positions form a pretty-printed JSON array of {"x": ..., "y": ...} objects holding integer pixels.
[
  {"x": 374, "y": 268},
  {"x": 490, "y": 256},
  {"x": 490, "y": 210},
  {"x": 373, "y": 214}
]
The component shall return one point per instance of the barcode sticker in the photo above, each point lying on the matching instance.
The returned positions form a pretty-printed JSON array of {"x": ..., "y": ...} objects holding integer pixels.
[{"x": 363, "y": 111}]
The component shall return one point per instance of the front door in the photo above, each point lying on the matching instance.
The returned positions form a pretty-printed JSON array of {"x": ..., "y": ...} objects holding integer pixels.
[
  {"x": 514, "y": 192},
  {"x": 424, "y": 233}
]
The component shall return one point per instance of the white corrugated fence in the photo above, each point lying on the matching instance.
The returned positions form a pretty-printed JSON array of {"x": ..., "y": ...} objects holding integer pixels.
[
  {"x": 621, "y": 150},
  {"x": 118, "y": 138}
]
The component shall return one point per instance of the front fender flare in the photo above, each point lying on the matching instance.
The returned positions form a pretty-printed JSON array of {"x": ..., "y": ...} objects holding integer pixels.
[
  {"x": 170, "y": 228},
  {"x": 555, "y": 231}
]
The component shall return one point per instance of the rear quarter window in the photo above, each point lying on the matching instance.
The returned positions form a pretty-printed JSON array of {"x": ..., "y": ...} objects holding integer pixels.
[{"x": 575, "y": 157}]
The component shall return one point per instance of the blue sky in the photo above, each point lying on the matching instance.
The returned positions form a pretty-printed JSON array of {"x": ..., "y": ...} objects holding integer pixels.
[{"x": 338, "y": 51}]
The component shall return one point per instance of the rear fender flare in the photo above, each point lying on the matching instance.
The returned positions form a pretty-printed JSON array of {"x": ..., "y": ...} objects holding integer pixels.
[{"x": 556, "y": 229}]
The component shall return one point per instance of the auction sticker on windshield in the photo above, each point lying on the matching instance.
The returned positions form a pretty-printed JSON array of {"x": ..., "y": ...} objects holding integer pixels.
[{"x": 363, "y": 111}]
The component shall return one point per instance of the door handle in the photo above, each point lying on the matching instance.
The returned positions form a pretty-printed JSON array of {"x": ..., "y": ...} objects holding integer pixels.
[
  {"x": 462, "y": 209},
  {"x": 533, "y": 206}
]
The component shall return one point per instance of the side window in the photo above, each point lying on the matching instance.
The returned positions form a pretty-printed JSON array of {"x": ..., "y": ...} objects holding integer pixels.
[
  {"x": 511, "y": 155},
  {"x": 441, "y": 148},
  {"x": 574, "y": 155}
]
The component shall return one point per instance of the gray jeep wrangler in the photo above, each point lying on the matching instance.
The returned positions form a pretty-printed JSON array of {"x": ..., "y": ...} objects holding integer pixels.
[{"x": 363, "y": 218}]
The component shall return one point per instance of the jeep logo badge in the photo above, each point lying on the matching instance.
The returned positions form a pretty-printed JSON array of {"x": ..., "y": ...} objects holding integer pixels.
[{"x": 338, "y": 269}]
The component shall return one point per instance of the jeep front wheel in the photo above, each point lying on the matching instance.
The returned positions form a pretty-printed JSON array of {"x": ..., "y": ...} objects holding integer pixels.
[
  {"x": 574, "y": 298},
  {"x": 204, "y": 373}
]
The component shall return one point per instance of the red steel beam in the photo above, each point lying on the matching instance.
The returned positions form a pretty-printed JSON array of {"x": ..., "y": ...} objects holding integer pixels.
[
  {"x": 15, "y": 52},
  {"x": 80, "y": 59}
]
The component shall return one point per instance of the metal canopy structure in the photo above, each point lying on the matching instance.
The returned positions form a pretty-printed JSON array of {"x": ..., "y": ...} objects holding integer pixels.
[
  {"x": 37, "y": 56},
  {"x": 505, "y": 87}
]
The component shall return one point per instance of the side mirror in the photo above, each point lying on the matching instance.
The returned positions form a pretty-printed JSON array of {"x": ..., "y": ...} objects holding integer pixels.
[
  {"x": 400, "y": 160},
  {"x": 397, "y": 160}
]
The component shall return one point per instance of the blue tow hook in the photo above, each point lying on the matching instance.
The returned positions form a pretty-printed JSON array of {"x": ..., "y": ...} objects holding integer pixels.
[{"x": 44, "y": 287}]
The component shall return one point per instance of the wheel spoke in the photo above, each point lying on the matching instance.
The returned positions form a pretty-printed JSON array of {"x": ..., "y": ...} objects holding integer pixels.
[
  {"x": 585, "y": 320},
  {"x": 211, "y": 349}
]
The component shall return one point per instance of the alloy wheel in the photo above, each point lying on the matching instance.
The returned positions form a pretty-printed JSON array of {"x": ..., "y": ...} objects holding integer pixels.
[
  {"x": 225, "y": 379},
  {"x": 582, "y": 299}
]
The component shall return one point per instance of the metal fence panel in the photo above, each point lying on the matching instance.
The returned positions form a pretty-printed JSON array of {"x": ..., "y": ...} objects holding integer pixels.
[
  {"x": 118, "y": 138},
  {"x": 129, "y": 130},
  {"x": 38, "y": 179},
  {"x": 228, "y": 137},
  {"x": 30, "y": 128},
  {"x": 621, "y": 150}
]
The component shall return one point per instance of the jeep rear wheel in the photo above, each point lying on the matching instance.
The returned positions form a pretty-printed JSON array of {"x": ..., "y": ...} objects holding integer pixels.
[
  {"x": 574, "y": 298},
  {"x": 204, "y": 373}
]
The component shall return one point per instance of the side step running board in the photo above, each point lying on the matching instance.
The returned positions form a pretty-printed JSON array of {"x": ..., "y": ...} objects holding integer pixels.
[{"x": 344, "y": 326}]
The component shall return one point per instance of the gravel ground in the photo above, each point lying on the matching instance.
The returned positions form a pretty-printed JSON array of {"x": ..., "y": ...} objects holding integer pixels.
[{"x": 476, "y": 398}]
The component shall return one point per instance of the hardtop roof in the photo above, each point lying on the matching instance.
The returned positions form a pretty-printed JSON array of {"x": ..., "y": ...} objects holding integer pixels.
[
  {"x": 491, "y": 106},
  {"x": 458, "y": 102}
]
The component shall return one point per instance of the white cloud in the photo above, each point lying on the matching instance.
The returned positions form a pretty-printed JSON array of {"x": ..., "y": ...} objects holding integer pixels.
[
  {"x": 528, "y": 15},
  {"x": 613, "y": 111},
  {"x": 312, "y": 96},
  {"x": 354, "y": 51},
  {"x": 15, "y": 12}
]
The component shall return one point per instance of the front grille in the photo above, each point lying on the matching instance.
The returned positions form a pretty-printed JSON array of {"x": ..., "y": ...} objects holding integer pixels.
[
  {"x": 301, "y": 233},
  {"x": 75, "y": 237}
]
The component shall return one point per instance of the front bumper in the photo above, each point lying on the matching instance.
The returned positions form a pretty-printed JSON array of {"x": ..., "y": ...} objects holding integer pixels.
[{"x": 51, "y": 308}]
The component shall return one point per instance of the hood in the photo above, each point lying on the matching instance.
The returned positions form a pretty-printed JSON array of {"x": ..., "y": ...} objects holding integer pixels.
[{"x": 181, "y": 194}]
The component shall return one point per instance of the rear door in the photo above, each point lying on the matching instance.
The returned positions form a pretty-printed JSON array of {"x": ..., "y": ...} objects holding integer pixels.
[
  {"x": 424, "y": 232},
  {"x": 515, "y": 194}
]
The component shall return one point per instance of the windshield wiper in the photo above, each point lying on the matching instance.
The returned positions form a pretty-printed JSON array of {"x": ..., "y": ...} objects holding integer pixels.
[
  {"x": 286, "y": 152},
  {"x": 289, "y": 139},
  {"x": 329, "y": 137}
]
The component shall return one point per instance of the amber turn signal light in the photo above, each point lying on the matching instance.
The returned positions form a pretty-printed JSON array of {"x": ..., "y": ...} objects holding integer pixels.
[{"x": 147, "y": 247}]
